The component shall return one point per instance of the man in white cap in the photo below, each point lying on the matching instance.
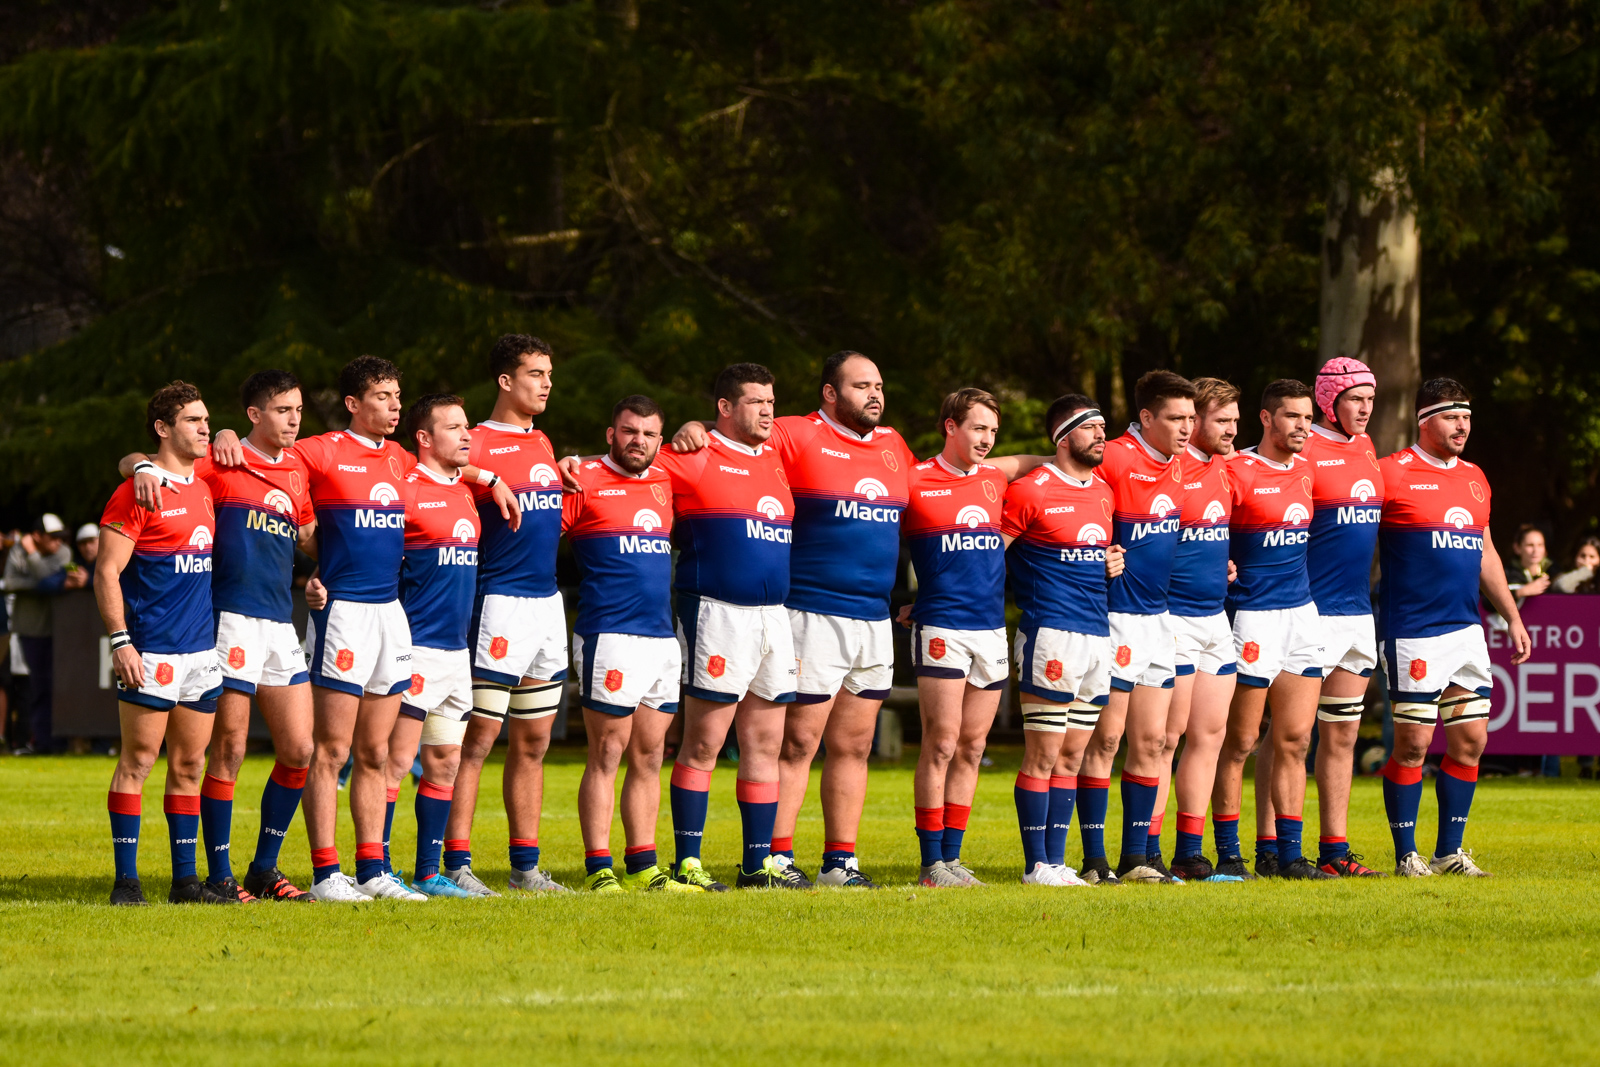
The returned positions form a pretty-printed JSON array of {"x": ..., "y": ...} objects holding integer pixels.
[
  {"x": 88, "y": 540},
  {"x": 39, "y": 567}
]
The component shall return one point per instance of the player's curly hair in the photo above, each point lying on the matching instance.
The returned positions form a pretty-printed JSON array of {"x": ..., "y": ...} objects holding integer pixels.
[
  {"x": 165, "y": 405},
  {"x": 511, "y": 349},
  {"x": 363, "y": 372}
]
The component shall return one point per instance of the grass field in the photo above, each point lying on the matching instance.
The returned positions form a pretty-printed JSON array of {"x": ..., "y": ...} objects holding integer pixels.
[{"x": 1447, "y": 970}]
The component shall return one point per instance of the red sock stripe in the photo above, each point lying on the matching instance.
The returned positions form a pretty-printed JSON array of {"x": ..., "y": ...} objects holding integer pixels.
[
  {"x": 634, "y": 850},
  {"x": 597, "y": 852},
  {"x": 215, "y": 788},
  {"x": 1063, "y": 781},
  {"x": 516, "y": 842},
  {"x": 1220, "y": 817},
  {"x": 371, "y": 850},
  {"x": 289, "y": 777},
  {"x": 755, "y": 792},
  {"x": 956, "y": 815},
  {"x": 435, "y": 792},
  {"x": 1290, "y": 818},
  {"x": 1085, "y": 782},
  {"x": 1459, "y": 770},
  {"x": 459, "y": 844},
  {"x": 325, "y": 857},
  {"x": 839, "y": 846},
  {"x": 1155, "y": 823},
  {"x": 177, "y": 804},
  {"x": 1332, "y": 840},
  {"x": 125, "y": 803},
  {"x": 1401, "y": 775},
  {"x": 1029, "y": 783},
  {"x": 687, "y": 777},
  {"x": 394, "y": 794},
  {"x": 930, "y": 818},
  {"x": 1139, "y": 779},
  {"x": 1192, "y": 824},
  {"x": 783, "y": 844}
]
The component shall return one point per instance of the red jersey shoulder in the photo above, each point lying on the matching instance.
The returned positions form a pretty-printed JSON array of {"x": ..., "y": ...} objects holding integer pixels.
[
  {"x": 940, "y": 499},
  {"x": 186, "y": 521},
  {"x": 439, "y": 513},
  {"x": 522, "y": 459},
  {"x": 607, "y": 500}
]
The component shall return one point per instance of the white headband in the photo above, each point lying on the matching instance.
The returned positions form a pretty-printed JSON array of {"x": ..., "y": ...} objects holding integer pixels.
[
  {"x": 1439, "y": 409},
  {"x": 1078, "y": 419}
]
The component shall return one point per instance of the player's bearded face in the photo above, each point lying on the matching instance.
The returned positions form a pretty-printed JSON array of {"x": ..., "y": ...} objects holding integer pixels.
[
  {"x": 752, "y": 414},
  {"x": 1087, "y": 444},
  {"x": 1290, "y": 423},
  {"x": 634, "y": 441},
  {"x": 1215, "y": 430},
  {"x": 1446, "y": 434},
  {"x": 859, "y": 396}
]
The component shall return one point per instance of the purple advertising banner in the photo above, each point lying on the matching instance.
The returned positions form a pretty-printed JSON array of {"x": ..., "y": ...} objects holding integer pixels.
[{"x": 1549, "y": 705}]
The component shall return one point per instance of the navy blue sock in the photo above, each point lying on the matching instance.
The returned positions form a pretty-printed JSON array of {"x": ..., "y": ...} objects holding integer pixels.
[
  {"x": 1453, "y": 787},
  {"x": 124, "y": 811},
  {"x": 595, "y": 861},
  {"x": 216, "y": 822},
  {"x": 433, "y": 812},
  {"x": 457, "y": 853},
  {"x": 1225, "y": 831},
  {"x": 1191, "y": 836},
  {"x": 280, "y": 799},
  {"x": 837, "y": 853},
  {"x": 690, "y": 795},
  {"x": 955, "y": 829},
  {"x": 1331, "y": 848},
  {"x": 1063, "y": 794},
  {"x": 370, "y": 861},
  {"x": 1033, "y": 818},
  {"x": 930, "y": 834},
  {"x": 1266, "y": 846},
  {"x": 524, "y": 853},
  {"x": 1152, "y": 845},
  {"x": 1138, "y": 802},
  {"x": 758, "y": 811},
  {"x": 388, "y": 827},
  {"x": 639, "y": 859},
  {"x": 183, "y": 832},
  {"x": 1402, "y": 796},
  {"x": 1289, "y": 829},
  {"x": 1094, "y": 800}
]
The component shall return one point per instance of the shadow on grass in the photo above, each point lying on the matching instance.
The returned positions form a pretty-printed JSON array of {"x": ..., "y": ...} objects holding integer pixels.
[{"x": 74, "y": 889}]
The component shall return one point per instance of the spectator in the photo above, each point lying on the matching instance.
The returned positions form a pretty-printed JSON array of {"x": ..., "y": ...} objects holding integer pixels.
[
  {"x": 1581, "y": 579},
  {"x": 1527, "y": 573},
  {"x": 88, "y": 546},
  {"x": 38, "y": 567}
]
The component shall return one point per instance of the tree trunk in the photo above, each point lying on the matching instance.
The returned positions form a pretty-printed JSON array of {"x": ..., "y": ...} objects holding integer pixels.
[{"x": 1371, "y": 299}]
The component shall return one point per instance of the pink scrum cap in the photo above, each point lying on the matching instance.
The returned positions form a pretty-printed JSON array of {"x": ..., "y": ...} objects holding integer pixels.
[{"x": 1337, "y": 375}]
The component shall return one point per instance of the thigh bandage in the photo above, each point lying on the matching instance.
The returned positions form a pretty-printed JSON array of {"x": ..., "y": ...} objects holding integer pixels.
[
  {"x": 534, "y": 701},
  {"x": 1340, "y": 709}
]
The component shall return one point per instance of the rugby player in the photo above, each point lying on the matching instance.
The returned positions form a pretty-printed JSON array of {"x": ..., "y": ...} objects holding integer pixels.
[
  {"x": 1276, "y": 631},
  {"x": 263, "y": 511},
  {"x": 519, "y": 624},
  {"x": 620, "y": 522},
  {"x": 152, "y": 583},
  {"x": 1436, "y": 553},
  {"x": 1144, "y": 469},
  {"x": 360, "y": 643},
  {"x": 1056, "y": 528},
  {"x": 1205, "y": 665},
  {"x": 958, "y": 624},
  {"x": 732, "y": 513}
]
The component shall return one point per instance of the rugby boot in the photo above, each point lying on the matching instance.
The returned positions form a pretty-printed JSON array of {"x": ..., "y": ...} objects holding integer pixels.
[
  {"x": 437, "y": 885},
  {"x": 655, "y": 880},
  {"x": 772, "y": 875},
  {"x": 192, "y": 890},
  {"x": 1411, "y": 865},
  {"x": 1349, "y": 865},
  {"x": 532, "y": 880},
  {"x": 691, "y": 872},
  {"x": 940, "y": 876},
  {"x": 1159, "y": 865},
  {"x": 963, "y": 872},
  {"x": 1267, "y": 864},
  {"x": 270, "y": 884},
  {"x": 1457, "y": 862},
  {"x": 1137, "y": 869},
  {"x": 792, "y": 873},
  {"x": 128, "y": 892},
  {"x": 1302, "y": 868},
  {"x": 603, "y": 881},
  {"x": 228, "y": 885},
  {"x": 1096, "y": 871},
  {"x": 847, "y": 877},
  {"x": 1234, "y": 867}
]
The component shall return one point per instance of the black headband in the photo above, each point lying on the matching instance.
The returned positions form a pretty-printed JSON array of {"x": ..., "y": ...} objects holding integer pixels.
[
  {"x": 1078, "y": 419},
  {"x": 1439, "y": 409}
]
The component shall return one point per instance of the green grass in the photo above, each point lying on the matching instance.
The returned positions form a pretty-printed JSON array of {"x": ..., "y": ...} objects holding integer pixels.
[{"x": 1448, "y": 970}]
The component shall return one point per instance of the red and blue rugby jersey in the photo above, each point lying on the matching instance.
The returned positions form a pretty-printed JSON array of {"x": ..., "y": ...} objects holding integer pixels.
[
  {"x": 733, "y": 513},
  {"x": 1430, "y": 544},
  {"x": 1199, "y": 583},
  {"x": 1149, "y": 490},
  {"x": 849, "y": 490},
  {"x": 1271, "y": 527},
  {"x": 356, "y": 488},
  {"x": 166, "y": 586},
  {"x": 1344, "y": 528},
  {"x": 953, "y": 526},
  {"x": 440, "y": 568},
  {"x": 260, "y": 510},
  {"x": 1061, "y": 528},
  {"x": 620, "y": 527},
  {"x": 519, "y": 562}
]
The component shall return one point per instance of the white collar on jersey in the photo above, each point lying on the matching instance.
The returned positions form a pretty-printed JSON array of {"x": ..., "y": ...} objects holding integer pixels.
[
  {"x": 606, "y": 459},
  {"x": 180, "y": 479},
  {"x": 442, "y": 479},
  {"x": 951, "y": 468},
  {"x": 1331, "y": 434},
  {"x": 264, "y": 457},
  {"x": 1196, "y": 454},
  {"x": 1274, "y": 464},
  {"x": 370, "y": 444},
  {"x": 1154, "y": 452},
  {"x": 506, "y": 426},
  {"x": 1440, "y": 463},
  {"x": 749, "y": 450},
  {"x": 865, "y": 438},
  {"x": 1069, "y": 479}
]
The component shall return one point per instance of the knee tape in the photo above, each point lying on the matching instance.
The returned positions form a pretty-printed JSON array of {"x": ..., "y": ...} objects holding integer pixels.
[
  {"x": 1467, "y": 708},
  {"x": 1420, "y": 714},
  {"x": 535, "y": 701},
  {"x": 1340, "y": 709},
  {"x": 1082, "y": 715},
  {"x": 1044, "y": 718},
  {"x": 490, "y": 700}
]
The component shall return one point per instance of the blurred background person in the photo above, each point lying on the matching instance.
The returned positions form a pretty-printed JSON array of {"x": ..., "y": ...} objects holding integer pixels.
[
  {"x": 1585, "y": 562},
  {"x": 88, "y": 546},
  {"x": 1528, "y": 572},
  {"x": 39, "y": 567}
]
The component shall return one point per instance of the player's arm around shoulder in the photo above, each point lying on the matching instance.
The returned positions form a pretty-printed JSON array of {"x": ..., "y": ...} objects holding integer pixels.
[{"x": 1013, "y": 467}]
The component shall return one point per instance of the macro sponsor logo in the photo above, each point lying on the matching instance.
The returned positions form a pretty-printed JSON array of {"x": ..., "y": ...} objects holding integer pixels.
[
  {"x": 1285, "y": 538},
  {"x": 278, "y": 501},
  {"x": 854, "y": 509},
  {"x": 1460, "y": 518},
  {"x": 1091, "y": 533},
  {"x": 1161, "y": 505},
  {"x": 1141, "y": 530},
  {"x": 633, "y": 544},
  {"x": 1215, "y": 512},
  {"x": 647, "y": 520},
  {"x": 1192, "y": 534},
  {"x": 770, "y": 506},
  {"x": 760, "y": 531},
  {"x": 464, "y": 530},
  {"x": 1083, "y": 555},
  {"x": 543, "y": 475},
  {"x": 383, "y": 494},
  {"x": 1296, "y": 513},
  {"x": 957, "y": 542},
  {"x": 871, "y": 488},
  {"x": 539, "y": 501},
  {"x": 972, "y": 516},
  {"x": 1446, "y": 539},
  {"x": 268, "y": 524},
  {"x": 1350, "y": 515},
  {"x": 1363, "y": 490}
]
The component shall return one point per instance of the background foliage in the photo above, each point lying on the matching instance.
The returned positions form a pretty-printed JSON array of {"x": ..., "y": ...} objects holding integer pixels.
[{"x": 1032, "y": 197}]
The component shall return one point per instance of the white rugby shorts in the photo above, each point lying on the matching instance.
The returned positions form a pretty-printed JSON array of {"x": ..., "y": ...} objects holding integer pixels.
[
  {"x": 1351, "y": 642},
  {"x": 832, "y": 651},
  {"x": 258, "y": 652},
  {"x": 619, "y": 672},
  {"x": 517, "y": 637},
  {"x": 1270, "y": 642},
  {"x": 1063, "y": 666},
  {"x": 979, "y": 656},
  {"x": 1420, "y": 669},
  {"x": 733, "y": 649},
  {"x": 440, "y": 694},
  {"x": 192, "y": 679},
  {"x": 1203, "y": 643},
  {"x": 1142, "y": 651},
  {"x": 360, "y": 648}
]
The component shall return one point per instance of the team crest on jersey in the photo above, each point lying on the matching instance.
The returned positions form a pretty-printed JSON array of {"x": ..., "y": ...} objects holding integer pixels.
[
  {"x": 236, "y": 657},
  {"x": 1250, "y": 652},
  {"x": 936, "y": 647},
  {"x": 716, "y": 665},
  {"x": 1305, "y": 483},
  {"x": 889, "y": 460},
  {"x": 660, "y": 494},
  {"x": 394, "y": 468},
  {"x": 972, "y": 517},
  {"x": 345, "y": 659},
  {"x": 498, "y": 647},
  {"x": 1419, "y": 670},
  {"x": 1477, "y": 491},
  {"x": 1052, "y": 670},
  {"x": 1373, "y": 459},
  {"x": 417, "y": 682},
  {"x": 294, "y": 482},
  {"x": 613, "y": 680},
  {"x": 278, "y": 501},
  {"x": 209, "y": 510},
  {"x": 1124, "y": 655},
  {"x": 543, "y": 475},
  {"x": 989, "y": 491},
  {"x": 783, "y": 479},
  {"x": 163, "y": 674},
  {"x": 1105, "y": 506}
]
